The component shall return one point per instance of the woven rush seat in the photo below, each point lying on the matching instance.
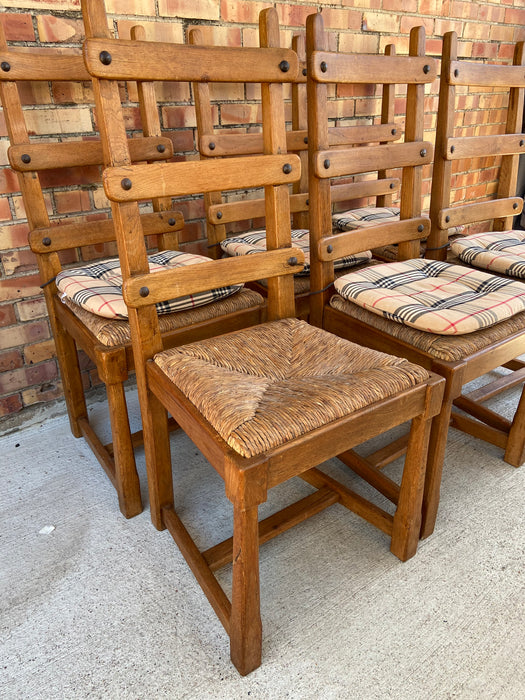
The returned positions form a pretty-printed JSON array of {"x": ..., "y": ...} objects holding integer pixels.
[
  {"x": 281, "y": 380},
  {"x": 112, "y": 332},
  {"x": 255, "y": 242},
  {"x": 434, "y": 296},
  {"x": 451, "y": 348},
  {"x": 498, "y": 251},
  {"x": 98, "y": 287}
]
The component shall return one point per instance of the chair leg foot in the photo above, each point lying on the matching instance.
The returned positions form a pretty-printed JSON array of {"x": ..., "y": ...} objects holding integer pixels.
[
  {"x": 126, "y": 476},
  {"x": 245, "y": 623}
]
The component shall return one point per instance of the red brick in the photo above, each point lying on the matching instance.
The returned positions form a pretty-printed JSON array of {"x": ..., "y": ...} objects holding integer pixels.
[
  {"x": 13, "y": 236},
  {"x": 5, "y": 210},
  {"x": 295, "y": 15},
  {"x": 407, "y": 22},
  {"x": 484, "y": 50},
  {"x": 380, "y": 22},
  {"x": 7, "y": 315},
  {"x": 514, "y": 16},
  {"x": 17, "y": 261},
  {"x": 8, "y": 181},
  {"x": 62, "y": 177},
  {"x": 73, "y": 93},
  {"x": 194, "y": 9},
  {"x": 20, "y": 378},
  {"x": 23, "y": 333},
  {"x": 58, "y": 29},
  {"x": 42, "y": 394},
  {"x": 10, "y": 404},
  {"x": 17, "y": 27},
  {"x": 31, "y": 308},
  {"x": 72, "y": 201},
  {"x": 19, "y": 288},
  {"x": 12, "y": 359},
  {"x": 39, "y": 352},
  {"x": 242, "y": 12}
]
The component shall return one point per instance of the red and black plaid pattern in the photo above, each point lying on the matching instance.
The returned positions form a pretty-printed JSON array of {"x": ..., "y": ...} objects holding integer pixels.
[
  {"x": 255, "y": 242},
  {"x": 499, "y": 251},
  {"x": 364, "y": 217},
  {"x": 434, "y": 296},
  {"x": 98, "y": 287}
]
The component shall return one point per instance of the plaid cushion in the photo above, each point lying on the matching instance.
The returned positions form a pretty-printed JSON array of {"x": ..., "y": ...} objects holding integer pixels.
[
  {"x": 434, "y": 296},
  {"x": 98, "y": 287},
  {"x": 255, "y": 242},
  {"x": 500, "y": 251},
  {"x": 364, "y": 217}
]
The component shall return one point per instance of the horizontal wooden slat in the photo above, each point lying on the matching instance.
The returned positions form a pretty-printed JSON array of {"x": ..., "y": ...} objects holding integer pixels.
[
  {"x": 363, "y": 133},
  {"x": 246, "y": 144},
  {"x": 37, "y": 65},
  {"x": 479, "y": 211},
  {"x": 146, "y": 60},
  {"x": 250, "y": 209},
  {"x": 71, "y": 154},
  {"x": 480, "y": 146},
  {"x": 190, "y": 177},
  {"x": 355, "y": 68},
  {"x": 228, "y": 212},
  {"x": 171, "y": 284},
  {"x": 349, "y": 161},
  {"x": 350, "y": 242},
  {"x": 66, "y": 236},
  {"x": 485, "y": 75},
  {"x": 366, "y": 188}
]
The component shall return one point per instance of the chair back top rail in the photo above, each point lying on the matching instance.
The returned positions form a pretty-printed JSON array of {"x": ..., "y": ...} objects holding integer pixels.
[
  {"x": 119, "y": 59},
  {"x": 330, "y": 67},
  {"x": 136, "y": 182}
]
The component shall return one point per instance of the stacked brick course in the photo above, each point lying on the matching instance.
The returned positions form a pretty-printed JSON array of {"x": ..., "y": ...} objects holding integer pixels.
[{"x": 487, "y": 31}]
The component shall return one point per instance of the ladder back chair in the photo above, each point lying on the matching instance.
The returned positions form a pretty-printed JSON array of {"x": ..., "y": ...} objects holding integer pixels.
[
  {"x": 219, "y": 141},
  {"x": 85, "y": 305},
  {"x": 261, "y": 404},
  {"x": 501, "y": 250},
  {"x": 458, "y": 323}
]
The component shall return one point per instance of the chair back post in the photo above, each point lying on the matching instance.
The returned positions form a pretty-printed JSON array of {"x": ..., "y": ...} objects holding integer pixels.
[
  {"x": 281, "y": 303},
  {"x": 151, "y": 127},
  {"x": 215, "y": 232},
  {"x": 321, "y": 273},
  {"x": 387, "y": 117},
  {"x": 411, "y": 181},
  {"x": 508, "y": 172},
  {"x": 133, "y": 259},
  {"x": 300, "y": 123},
  {"x": 442, "y": 169}
]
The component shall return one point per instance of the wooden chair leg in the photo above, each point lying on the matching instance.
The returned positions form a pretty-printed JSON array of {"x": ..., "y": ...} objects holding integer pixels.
[
  {"x": 436, "y": 456},
  {"x": 158, "y": 457},
  {"x": 73, "y": 388},
  {"x": 407, "y": 518},
  {"x": 515, "y": 450},
  {"x": 126, "y": 476},
  {"x": 245, "y": 621}
]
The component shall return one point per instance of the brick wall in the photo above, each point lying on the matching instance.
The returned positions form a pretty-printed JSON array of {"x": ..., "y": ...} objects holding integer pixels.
[{"x": 487, "y": 30}]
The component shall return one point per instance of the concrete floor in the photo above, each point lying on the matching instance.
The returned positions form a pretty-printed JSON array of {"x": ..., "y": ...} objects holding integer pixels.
[{"x": 101, "y": 607}]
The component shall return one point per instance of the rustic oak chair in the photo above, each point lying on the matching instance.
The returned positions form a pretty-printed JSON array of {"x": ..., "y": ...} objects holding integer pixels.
[
  {"x": 77, "y": 323},
  {"x": 501, "y": 250},
  {"x": 263, "y": 404},
  {"x": 215, "y": 141},
  {"x": 441, "y": 316}
]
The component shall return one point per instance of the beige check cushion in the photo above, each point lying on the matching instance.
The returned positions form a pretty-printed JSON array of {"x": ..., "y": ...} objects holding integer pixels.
[
  {"x": 255, "y": 242},
  {"x": 498, "y": 251},
  {"x": 268, "y": 384},
  {"x": 364, "y": 217},
  {"x": 98, "y": 287},
  {"x": 434, "y": 296}
]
